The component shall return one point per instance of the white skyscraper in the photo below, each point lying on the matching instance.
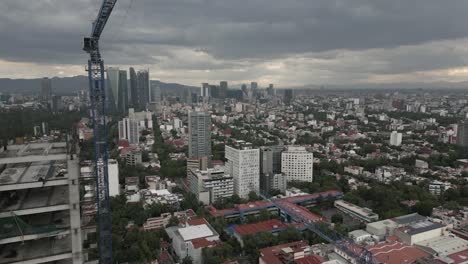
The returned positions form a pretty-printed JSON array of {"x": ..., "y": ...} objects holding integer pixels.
[
  {"x": 129, "y": 130},
  {"x": 396, "y": 138},
  {"x": 113, "y": 172},
  {"x": 243, "y": 164},
  {"x": 297, "y": 164}
]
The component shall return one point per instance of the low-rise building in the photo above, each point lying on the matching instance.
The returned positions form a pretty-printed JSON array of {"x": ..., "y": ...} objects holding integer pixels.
[
  {"x": 273, "y": 226},
  {"x": 294, "y": 252},
  {"x": 360, "y": 213},
  {"x": 191, "y": 238},
  {"x": 438, "y": 187},
  {"x": 415, "y": 233},
  {"x": 211, "y": 185}
]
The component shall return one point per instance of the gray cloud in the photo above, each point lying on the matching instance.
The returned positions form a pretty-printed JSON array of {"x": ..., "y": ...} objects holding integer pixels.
[{"x": 211, "y": 38}]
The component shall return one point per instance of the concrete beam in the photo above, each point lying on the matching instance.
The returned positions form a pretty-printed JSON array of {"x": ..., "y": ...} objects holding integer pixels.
[
  {"x": 25, "y": 159},
  {"x": 31, "y": 185},
  {"x": 33, "y": 237},
  {"x": 39, "y": 210},
  {"x": 48, "y": 259}
]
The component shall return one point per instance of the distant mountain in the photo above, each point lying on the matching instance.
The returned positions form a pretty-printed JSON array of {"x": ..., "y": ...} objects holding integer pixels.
[{"x": 70, "y": 85}]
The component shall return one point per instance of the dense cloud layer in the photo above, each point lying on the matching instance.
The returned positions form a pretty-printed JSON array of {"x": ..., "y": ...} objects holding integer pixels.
[{"x": 290, "y": 42}]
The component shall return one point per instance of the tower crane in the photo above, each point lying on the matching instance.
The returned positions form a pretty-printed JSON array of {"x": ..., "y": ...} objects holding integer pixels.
[{"x": 97, "y": 95}]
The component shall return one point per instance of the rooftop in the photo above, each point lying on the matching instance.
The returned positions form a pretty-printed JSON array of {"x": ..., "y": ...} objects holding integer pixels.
[
  {"x": 195, "y": 231},
  {"x": 396, "y": 253},
  {"x": 455, "y": 258},
  {"x": 445, "y": 245},
  {"x": 33, "y": 152},
  {"x": 360, "y": 210},
  {"x": 265, "y": 226},
  {"x": 421, "y": 227},
  {"x": 409, "y": 219}
]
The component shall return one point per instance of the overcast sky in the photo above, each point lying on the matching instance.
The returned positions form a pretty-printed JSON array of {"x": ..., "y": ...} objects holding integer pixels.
[{"x": 286, "y": 42}]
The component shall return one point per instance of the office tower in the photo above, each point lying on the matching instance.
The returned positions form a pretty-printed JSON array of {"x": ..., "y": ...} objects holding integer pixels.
[
  {"x": 243, "y": 164},
  {"x": 297, "y": 164},
  {"x": 214, "y": 91},
  {"x": 462, "y": 133},
  {"x": 56, "y": 103},
  {"x": 396, "y": 138},
  {"x": 40, "y": 212},
  {"x": 288, "y": 96},
  {"x": 155, "y": 94},
  {"x": 210, "y": 185},
  {"x": 237, "y": 94},
  {"x": 113, "y": 77},
  {"x": 199, "y": 135},
  {"x": 253, "y": 86},
  {"x": 122, "y": 104},
  {"x": 266, "y": 169},
  {"x": 129, "y": 130},
  {"x": 270, "y": 90},
  {"x": 46, "y": 89},
  {"x": 223, "y": 89},
  {"x": 133, "y": 88},
  {"x": 205, "y": 90},
  {"x": 244, "y": 88},
  {"x": 143, "y": 89}
]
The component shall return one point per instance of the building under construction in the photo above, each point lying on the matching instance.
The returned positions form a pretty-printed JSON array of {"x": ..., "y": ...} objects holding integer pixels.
[{"x": 39, "y": 204}]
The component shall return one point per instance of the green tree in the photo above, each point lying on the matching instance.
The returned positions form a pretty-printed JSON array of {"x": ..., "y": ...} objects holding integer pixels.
[
  {"x": 173, "y": 221},
  {"x": 187, "y": 260},
  {"x": 337, "y": 219}
]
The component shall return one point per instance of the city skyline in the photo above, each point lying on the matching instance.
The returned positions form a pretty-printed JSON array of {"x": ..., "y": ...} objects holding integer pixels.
[{"x": 295, "y": 44}]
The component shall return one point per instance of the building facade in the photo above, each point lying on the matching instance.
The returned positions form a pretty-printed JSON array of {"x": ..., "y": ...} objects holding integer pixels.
[
  {"x": 128, "y": 130},
  {"x": 46, "y": 89},
  {"x": 462, "y": 134},
  {"x": 199, "y": 135},
  {"x": 211, "y": 185},
  {"x": 396, "y": 138},
  {"x": 40, "y": 216},
  {"x": 297, "y": 164},
  {"x": 243, "y": 163}
]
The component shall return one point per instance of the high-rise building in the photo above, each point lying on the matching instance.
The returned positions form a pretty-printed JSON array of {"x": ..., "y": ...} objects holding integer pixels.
[
  {"x": 462, "y": 134},
  {"x": 396, "y": 138},
  {"x": 270, "y": 165},
  {"x": 40, "y": 213},
  {"x": 297, "y": 164},
  {"x": 113, "y": 77},
  {"x": 46, "y": 89},
  {"x": 288, "y": 96},
  {"x": 143, "y": 89},
  {"x": 199, "y": 135},
  {"x": 129, "y": 130},
  {"x": 271, "y": 90},
  {"x": 210, "y": 185},
  {"x": 243, "y": 164},
  {"x": 223, "y": 89},
  {"x": 133, "y": 88},
  {"x": 253, "y": 86},
  {"x": 155, "y": 94},
  {"x": 205, "y": 90},
  {"x": 56, "y": 103},
  {"x": 122, "y": 104},
  {"x": 214, "y": 91}
]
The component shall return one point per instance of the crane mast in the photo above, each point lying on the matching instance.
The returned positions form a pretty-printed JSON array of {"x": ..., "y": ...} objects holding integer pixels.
[{"x": 97, "y": 93}]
